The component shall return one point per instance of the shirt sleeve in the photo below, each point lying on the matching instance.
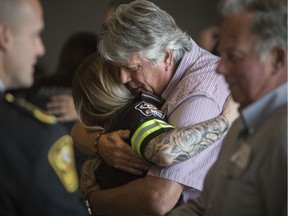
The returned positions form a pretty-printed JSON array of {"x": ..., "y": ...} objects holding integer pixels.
[
  {"x": 191, "y": 173},
  {"x": 193, "y": 110}
]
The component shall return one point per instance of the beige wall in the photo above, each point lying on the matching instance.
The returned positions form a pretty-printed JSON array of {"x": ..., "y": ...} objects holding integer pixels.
[{"x": 65, "y": 17}]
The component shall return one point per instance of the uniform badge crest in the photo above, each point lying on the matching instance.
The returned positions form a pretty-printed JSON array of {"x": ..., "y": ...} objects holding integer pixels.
[{"x": 61, "y": 158}]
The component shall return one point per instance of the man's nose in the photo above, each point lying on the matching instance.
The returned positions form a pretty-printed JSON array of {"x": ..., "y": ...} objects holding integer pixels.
[
  {"x": 221, "y": 68},
  {"x": 125, "y": 75},
  {"x": 40, "y": 47}
]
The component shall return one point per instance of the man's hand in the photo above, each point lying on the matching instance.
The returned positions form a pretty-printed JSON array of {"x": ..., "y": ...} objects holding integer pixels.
[
  {"x": 119, "y": 154},
  {"x": 111, "y": 147},
  {"x": 230, "y": 110}
]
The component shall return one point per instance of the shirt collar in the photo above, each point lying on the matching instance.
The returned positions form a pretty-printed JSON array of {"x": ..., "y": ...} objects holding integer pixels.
[
  {"x": 253, "y": 115},
  {"x": 2, "y": 87},
  {"x": 181, "y": 69},
  {"x": 149, "y": 98},
  {"x": 192, "y": 60}
]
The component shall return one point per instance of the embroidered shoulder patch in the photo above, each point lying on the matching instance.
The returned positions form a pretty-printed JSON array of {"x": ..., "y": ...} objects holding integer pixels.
[
  {"x": 149, "y": 110},
  {"x": 61, "y": 158}
]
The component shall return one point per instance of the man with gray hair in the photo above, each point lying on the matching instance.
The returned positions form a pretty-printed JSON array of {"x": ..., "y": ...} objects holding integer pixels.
[
  {"x": 250, "y": 175},
  {"x": 153, "y": 54}
]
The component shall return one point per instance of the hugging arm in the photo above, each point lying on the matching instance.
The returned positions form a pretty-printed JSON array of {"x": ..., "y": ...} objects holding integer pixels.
[
  {"x": 112, "y": 148},
  {"x": 180, "y": 144},
  {"x": 167, "y": 148},
  {"x": 145, "y": 196}
]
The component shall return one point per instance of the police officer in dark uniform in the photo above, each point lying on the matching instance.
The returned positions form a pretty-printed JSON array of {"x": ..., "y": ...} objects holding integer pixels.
[{"x": 37, "y": 170}]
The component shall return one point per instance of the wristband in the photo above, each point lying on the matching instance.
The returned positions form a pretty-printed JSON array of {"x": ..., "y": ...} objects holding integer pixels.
[
  {"x": 95, "y": 144},
  {"x": 86, "y": 202}
]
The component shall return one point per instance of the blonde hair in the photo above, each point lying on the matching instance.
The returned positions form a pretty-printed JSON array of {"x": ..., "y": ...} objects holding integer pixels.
[
  {"x": 88, "y": 176},
  {"x": 98, "y": 94}
]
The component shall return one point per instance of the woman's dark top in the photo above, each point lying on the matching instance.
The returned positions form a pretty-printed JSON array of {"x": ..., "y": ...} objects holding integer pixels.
[{"x": 145, "y": 121}]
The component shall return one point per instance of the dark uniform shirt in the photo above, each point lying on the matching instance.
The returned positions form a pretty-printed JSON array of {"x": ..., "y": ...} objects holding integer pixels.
[
  {"x": 37, "y": 170},
  {"x": 40, "y": 95},
  {"x": 145, "y": 121}
]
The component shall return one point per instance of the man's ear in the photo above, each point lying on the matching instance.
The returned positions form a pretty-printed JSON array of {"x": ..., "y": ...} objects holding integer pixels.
[
  {"x": 4, "y": 32},
  {"x": 279, "y": 58},
  {"x": 168, "y": 59}
]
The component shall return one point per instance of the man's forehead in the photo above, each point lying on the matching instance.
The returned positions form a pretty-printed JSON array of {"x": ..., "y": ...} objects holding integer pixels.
[
  {"x": 132, "y": 61},
  {"x": 236, "y": 25}
]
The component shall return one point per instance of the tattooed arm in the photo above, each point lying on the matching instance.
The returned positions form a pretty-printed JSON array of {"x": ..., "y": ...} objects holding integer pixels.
[{"x": 180, "y": 144}]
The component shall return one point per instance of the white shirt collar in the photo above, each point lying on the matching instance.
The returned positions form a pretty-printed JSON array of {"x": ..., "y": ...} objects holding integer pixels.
[{"x": 2, "y": 87}]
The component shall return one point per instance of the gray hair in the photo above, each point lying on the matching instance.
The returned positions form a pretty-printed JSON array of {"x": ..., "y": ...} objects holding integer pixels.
[
  {"x": 142, "y": 27},
  {"x": 269, "y": 23}
]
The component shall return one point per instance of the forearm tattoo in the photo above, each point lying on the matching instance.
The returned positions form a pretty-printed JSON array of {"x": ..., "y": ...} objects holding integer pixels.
[{"x": 181, "y": 144}]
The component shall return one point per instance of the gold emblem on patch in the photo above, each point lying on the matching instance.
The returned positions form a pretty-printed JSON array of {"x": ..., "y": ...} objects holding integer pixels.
[{"x": 61, "y": 158}]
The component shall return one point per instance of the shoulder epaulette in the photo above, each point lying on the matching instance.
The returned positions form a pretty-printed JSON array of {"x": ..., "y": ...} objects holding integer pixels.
[
  {"x": 150, "y": 98},
  {"x": 31, "y": 108},
  {"x": 149, "y": 105}
]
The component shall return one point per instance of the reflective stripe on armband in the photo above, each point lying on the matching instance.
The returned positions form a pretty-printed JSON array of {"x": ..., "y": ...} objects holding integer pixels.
[{"x": 146, "y": 129}]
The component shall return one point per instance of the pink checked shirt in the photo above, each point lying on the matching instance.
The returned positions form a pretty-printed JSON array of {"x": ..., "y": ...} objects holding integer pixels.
[{"x": 195, "y": 93}]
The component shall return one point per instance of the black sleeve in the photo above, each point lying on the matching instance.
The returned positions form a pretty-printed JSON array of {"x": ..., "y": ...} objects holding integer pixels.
[{"x": 145, "y": 122}]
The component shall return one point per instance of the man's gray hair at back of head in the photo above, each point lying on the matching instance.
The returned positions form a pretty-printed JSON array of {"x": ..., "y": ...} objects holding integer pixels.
[{"x": 142, "y": 27}]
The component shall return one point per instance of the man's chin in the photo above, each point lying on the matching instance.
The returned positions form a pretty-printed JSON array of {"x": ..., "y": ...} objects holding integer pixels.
[
  {"x": 28, "y": 84},
  {"x": 135, "y": 90}
]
